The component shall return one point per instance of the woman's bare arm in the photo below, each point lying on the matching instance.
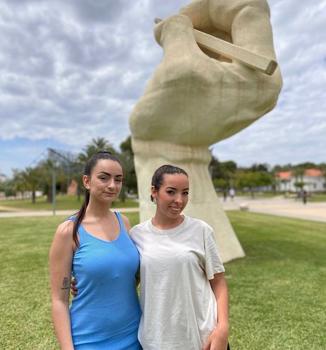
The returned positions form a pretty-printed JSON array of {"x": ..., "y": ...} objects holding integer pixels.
[
  {"x": 61, "y": 254},
  {"x": 218, "y": 339}
]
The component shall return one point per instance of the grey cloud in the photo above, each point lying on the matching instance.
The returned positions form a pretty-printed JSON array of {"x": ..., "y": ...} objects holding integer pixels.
[
  {"x": 73, "y": 70},
  {"x": 100, "y": 11},
  {"x": 11, "y": 85},
  {"x": 164, "y": 9}
]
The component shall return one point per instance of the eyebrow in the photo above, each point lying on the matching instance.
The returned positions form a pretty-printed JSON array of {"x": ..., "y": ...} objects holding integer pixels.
[
  {"x": 105, "y": 173},
  {"x": 173, "y": 188}
]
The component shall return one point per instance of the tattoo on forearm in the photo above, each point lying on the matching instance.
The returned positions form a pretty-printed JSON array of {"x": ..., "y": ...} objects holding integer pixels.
[{"x": 65, "y": 283}]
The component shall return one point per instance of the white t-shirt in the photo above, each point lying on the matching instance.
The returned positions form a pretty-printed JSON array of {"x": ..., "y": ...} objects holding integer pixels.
[{"x": 178, "y": 304}]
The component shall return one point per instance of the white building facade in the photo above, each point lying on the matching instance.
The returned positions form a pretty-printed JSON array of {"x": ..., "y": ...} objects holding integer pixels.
[{"x": 313, "y": 180}]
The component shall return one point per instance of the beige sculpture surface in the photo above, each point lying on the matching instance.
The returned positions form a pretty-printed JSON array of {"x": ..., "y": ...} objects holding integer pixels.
[{"x": 196, "y": 98}]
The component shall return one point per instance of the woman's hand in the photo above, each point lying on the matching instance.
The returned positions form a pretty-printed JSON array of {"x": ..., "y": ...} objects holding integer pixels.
[
  {"x": 218, "y": 339},
  {"x": 73, "y": 287}
]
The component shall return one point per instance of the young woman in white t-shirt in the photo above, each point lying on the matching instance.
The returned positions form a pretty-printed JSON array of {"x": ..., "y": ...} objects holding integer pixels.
[{"x": 184, "y": 294}]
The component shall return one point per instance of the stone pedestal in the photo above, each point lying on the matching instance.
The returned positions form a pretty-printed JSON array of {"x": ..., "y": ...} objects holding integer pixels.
[{"x": 203, "y": 201}]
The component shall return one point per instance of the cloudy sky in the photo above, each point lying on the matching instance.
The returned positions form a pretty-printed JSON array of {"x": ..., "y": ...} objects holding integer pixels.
[{"x": 71, "y": 71}]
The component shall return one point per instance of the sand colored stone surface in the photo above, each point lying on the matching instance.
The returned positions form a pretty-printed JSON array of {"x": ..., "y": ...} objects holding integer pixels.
[{"x": 195, "y": 99}]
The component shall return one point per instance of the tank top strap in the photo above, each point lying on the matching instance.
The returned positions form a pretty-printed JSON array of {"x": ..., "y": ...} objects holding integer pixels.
[
  {"x": 80, "y": 229},
  {"x": 121, "y": 223},
  {"x": 71, "y": 218}
]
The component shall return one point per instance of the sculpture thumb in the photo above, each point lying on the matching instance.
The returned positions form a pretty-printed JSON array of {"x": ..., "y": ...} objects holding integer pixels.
[{"x": 198, "y": 12}]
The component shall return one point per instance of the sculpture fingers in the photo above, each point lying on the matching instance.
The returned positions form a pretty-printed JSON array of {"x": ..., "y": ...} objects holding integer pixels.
[
  {"x": 180, "y": 81},
  {"x": 206, "y": 99},
  {"x": 244, "y": 22}
]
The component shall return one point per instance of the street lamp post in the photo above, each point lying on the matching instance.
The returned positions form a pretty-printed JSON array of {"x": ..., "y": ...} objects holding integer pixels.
[{"x": 53, "y": 190}]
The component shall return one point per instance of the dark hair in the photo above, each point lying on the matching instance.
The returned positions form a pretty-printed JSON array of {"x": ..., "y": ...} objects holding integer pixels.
[
  {"x": 159, "y": 173},
  {"x": 89, "y": 166}
]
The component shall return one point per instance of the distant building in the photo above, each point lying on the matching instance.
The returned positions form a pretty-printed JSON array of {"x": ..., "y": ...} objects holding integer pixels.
[
  {"x": 313, "y": 180},
  {"x": 285, "y": 181}
]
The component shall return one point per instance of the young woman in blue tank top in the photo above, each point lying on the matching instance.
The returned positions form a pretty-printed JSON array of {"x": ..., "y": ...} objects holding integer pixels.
[{"x": 94, "y": 246}]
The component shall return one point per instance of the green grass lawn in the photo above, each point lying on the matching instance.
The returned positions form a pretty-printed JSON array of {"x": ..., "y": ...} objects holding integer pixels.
[
  {"x": 317, "y": 197},
  {"x": 63, "y": 202},
  {"x": 277, "y": 292}
]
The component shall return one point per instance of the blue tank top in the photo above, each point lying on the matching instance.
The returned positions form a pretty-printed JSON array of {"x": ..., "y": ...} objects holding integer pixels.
[{"x": 106, "y": 313}]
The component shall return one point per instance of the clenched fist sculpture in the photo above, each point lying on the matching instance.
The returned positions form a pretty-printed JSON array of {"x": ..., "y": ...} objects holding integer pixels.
[{"x": 196, "y": 98}]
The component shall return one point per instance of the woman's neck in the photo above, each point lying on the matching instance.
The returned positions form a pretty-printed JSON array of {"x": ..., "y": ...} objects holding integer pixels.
[
  {"x": 98, "y": 209},
  {"x": 163, "y": 222}
]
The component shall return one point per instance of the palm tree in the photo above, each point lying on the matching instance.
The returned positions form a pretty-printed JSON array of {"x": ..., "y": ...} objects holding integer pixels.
[
  {"x": 96, "y": 145},
  {"x": 19, "y": 184},
  {"x": 32, "y": 178}
]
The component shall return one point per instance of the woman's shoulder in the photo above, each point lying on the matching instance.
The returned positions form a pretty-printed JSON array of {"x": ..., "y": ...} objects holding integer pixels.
[
  {"x": 196, "y": 222},
  {"x": 139, "y": 227},
  {"x": 200, "y": 228},
  {"x": 125, "y": 220},
  {"x": 65, "y": 229}
]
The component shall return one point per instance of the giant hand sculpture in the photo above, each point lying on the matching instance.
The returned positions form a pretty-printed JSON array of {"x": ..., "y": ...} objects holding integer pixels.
[{"x": 195, "y": 99}]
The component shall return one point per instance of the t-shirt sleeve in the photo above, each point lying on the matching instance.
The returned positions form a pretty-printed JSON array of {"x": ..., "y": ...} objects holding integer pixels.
[
  {"x": 136, "y": 231},
  {"x": 132, "y": 232},
  {"x": 213, "y": 261}
]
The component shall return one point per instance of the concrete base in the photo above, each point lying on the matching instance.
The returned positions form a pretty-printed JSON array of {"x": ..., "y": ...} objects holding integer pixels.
[{"x": 203, "y": 204}]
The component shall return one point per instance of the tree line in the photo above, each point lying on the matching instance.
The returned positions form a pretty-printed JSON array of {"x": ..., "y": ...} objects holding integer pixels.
[
  {"x": 60, "y": 168},
  {"x": 257, "y": 177}
]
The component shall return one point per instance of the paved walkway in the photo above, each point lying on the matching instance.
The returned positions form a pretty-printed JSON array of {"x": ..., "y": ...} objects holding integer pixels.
[
  {"x": 24, "y": 213},
  {"x": 274, "y": 206},
  {"x": 279, "y": 206}
]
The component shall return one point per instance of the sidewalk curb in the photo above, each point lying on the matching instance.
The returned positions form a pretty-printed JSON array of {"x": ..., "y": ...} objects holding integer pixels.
[{"x": 16, "y": 214}]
